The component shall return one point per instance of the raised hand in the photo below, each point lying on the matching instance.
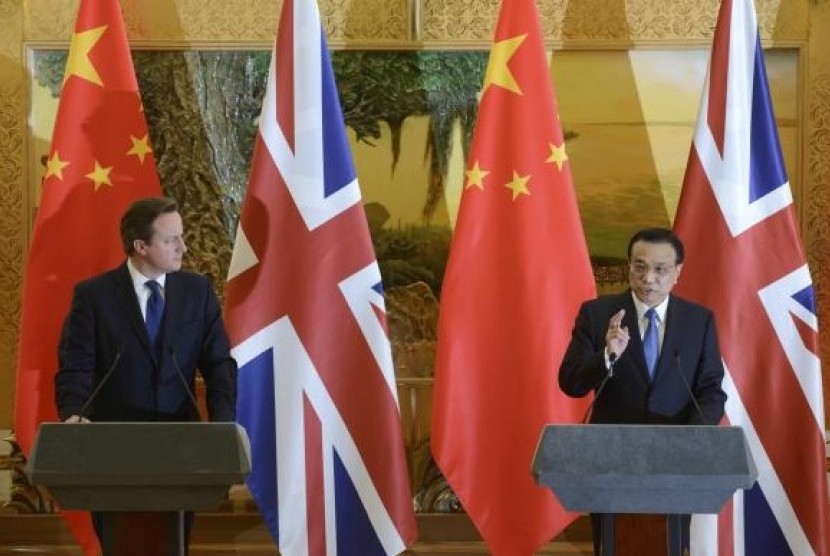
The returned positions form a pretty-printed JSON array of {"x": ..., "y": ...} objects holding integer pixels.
[{"x": 616, "y": 339}]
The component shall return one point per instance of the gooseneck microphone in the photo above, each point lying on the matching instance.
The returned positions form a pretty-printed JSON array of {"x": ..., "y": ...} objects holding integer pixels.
[
  {"x": 104, "y": 379},
  {"x": 612, "y": 358},
  {"x": 179, "y": 372},
  {"x": 679, "y": 369}
]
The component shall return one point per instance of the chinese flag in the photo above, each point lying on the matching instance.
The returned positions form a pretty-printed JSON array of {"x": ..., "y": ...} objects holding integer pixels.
[
  {"x": 99, "y": 162},
  {"x": 517, "y": 272}
]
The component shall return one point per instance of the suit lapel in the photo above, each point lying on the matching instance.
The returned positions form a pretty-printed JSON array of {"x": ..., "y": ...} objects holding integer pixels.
[
  {"x": 128, "y": 303},
  {"x": 671, "y": 338},
  {"x": 173, "y": 309}
]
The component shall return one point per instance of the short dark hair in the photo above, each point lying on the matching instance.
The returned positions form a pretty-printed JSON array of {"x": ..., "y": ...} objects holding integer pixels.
[
  {"x": 137, "y": 222},
  {"x": 659, "y": 235}
]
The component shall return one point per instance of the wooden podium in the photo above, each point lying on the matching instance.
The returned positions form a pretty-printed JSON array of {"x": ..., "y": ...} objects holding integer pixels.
[
  {"x": 643, "y": 479},
  {"x": 141, "y": 476}
]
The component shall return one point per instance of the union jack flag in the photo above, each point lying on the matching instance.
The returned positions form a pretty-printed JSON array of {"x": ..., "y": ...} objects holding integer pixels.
[
  {"x": 745, "y": 261},
  {"x": 305, "y": 313}
]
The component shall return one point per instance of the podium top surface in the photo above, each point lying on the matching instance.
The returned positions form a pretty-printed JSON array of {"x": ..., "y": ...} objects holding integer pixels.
[
  {"x": 142, "y": 453},
  {"x": 643, "y": 468},
  {"x": 642, "y": 449}
]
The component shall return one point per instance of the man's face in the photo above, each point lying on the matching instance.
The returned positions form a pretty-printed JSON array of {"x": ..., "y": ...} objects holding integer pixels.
[
  {"x": 652, "y": 272},
  {"x": 164, "y": 252}
]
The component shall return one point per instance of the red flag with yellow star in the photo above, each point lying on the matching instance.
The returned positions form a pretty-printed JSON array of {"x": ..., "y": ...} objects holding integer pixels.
[
  {"x": 99, "y": 162},
  {"x": 517, "y": 272}
]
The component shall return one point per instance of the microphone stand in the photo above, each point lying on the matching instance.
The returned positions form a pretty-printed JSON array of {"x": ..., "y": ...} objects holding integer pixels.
[
  {"x": 184, "y": 382},
  {"x": 612, "y": 358},
  {"x": 679, "y": 369},
  {"x": 103, "y": 381}
]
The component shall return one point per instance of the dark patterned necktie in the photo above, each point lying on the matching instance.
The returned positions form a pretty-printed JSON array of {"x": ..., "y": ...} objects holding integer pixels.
[
  {"x": 155, "y": 310},
  {"x": 651, "y": 341}
]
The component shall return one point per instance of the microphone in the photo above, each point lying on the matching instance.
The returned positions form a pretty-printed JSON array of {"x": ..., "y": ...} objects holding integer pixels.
[
  {"x": 612, "y": 358},
  {"x": 179, "y": 372},
  {"x": 679, "y": 369},
  {"x": 101, "y": 383}
]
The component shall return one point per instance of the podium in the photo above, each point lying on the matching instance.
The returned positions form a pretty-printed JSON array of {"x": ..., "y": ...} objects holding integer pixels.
[
  {"x": 141, "y": 475},
  {"x": 670, "y": 470}
]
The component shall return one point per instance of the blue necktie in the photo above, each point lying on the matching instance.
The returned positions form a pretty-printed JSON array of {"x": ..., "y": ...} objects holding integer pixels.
[
  {"x": 155, "y": 310},
  {"x": 651, "y": 341}
]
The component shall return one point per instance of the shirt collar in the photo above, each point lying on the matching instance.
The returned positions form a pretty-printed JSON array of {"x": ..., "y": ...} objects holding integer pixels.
[
  {"x": 641, "y": 308},
  {"x": 139, "y": 279}
]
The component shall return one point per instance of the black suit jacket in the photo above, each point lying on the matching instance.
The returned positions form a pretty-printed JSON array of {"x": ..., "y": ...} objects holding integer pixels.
[
  {"x": 104, "y": 330},
  {"x": 690, "y": 348}
]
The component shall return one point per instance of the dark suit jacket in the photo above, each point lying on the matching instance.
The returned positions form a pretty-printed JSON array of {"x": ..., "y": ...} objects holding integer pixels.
[
  {"x": 104, "y": 329},
  {"x": 690, "y": 348}
]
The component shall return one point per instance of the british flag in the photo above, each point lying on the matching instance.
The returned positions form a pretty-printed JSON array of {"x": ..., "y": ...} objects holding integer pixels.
[
  {"x": 305, "y": 313},
  {"x": 745, "y": 260}
]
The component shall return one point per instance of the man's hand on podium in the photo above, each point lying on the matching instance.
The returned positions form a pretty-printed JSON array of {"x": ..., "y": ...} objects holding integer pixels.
[{"x": 77, "y": 419}]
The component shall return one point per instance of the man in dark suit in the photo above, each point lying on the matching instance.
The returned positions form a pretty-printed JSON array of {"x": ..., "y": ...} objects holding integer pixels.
[
  {"x": 663, "y": 349},
  {"x": 140, "y": 331}
]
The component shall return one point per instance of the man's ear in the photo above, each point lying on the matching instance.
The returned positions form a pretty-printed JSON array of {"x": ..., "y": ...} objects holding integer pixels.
[{"x": 139, "y": 246}]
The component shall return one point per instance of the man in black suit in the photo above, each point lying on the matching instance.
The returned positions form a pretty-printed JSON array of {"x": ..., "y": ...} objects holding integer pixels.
[
  {"x": 664, "y": 349},
  {"x": 140, "y": 331}
]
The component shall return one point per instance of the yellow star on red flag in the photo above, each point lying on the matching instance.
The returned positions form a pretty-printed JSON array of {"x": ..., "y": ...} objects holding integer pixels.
[
  {"x": 141, "y": 147},
  {"x": 475, "y": 176},
  {"x": 100, "y": 175},
  {"x": 498, "y": 72},
  {"x": 518, "y": 185},
  {"x": 55, "y": 166},
  {"x": 557, "y": 155},
  {"x": 78, "y": 62}
]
